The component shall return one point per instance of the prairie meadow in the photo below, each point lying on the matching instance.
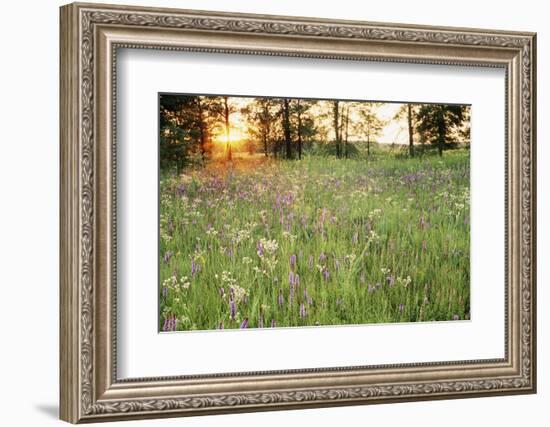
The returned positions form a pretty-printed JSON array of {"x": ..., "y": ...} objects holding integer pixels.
[{"x": 340, "y": 229}]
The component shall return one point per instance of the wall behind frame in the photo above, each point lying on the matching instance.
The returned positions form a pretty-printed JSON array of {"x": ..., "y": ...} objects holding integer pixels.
[{"x": 29, "y": 182}]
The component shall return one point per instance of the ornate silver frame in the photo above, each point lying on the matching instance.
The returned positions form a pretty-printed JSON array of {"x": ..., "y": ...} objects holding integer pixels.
[{"x": 90, "y": 36}]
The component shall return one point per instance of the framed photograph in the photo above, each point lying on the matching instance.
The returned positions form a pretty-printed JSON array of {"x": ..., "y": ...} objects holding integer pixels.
[{"x": 266, "y": 212}]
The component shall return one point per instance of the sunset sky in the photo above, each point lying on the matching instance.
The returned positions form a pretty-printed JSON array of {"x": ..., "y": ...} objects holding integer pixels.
[{"x": 395, "y": 131}]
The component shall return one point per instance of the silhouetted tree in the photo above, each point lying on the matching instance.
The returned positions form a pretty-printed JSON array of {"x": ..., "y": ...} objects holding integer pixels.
[
  {"x": 286, "y": 127},
  {"x": 262, "y": 114},
  {"x": 185, "y": 127},
  {"x": 303, "y": 122},
  {"x": 227, "y": 110},
  {"x": 408, "y": 112},
  {"x": 440, "y": 124},
  {"x": 369, "y": 124}
]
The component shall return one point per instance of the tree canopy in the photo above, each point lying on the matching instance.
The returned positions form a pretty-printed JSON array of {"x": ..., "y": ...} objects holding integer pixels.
[{"x": 197, "y": 128}]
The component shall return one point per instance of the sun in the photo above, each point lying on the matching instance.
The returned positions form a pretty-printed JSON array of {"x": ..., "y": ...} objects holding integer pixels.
[{"x": 236, "y": 135}]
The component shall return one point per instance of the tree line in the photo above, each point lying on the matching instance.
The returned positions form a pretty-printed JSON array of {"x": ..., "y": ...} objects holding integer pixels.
[{"x": 286, "y": 127}]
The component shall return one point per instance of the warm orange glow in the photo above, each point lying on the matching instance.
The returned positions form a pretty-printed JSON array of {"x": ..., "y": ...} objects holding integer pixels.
[{"x": 235, "y": 135}]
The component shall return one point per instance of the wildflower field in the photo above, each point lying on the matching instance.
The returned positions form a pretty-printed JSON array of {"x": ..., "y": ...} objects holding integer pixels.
[{"x": 259, "y": 242}]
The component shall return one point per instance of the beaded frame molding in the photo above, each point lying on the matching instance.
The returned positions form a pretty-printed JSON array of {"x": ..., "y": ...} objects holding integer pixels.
[{"x": 89, "y": 39}]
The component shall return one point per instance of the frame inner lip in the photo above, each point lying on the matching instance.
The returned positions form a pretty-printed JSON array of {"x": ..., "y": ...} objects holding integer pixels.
[{"x": 336, "y": 369}]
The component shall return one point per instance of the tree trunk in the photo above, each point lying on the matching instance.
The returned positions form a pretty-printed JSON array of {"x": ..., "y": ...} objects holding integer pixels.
[
  {"x": 286, "y": 127},
  {"x": 336, "y": 120},
  {"x": 368, "y": 144},
  {"x": 442, "y": 130},
  {"x": 266, "y": 128},
  {"x": 347, "y": 132},
  {"x": 202, "y": 130},
  {"x": 411, "y": 141},
  {"x": 299, "y": 132},
  {"x": 227, "y": 133},
  {"x": 368, "y": 138},
  {"x": 342, "y": 116}
]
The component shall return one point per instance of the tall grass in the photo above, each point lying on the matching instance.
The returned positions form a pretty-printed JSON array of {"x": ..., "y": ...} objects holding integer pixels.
[{"x": 321, "y": 241}]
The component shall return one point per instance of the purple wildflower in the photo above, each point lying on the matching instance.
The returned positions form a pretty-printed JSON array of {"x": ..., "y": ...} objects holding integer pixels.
[
  {"x": 180, "y": 189},
  {"x": 390, "y": 280},
  {"x": 291, "y": 293},
  {"x": 260, "y": 249},
  {"x": 280, "y": 299},
  {"x": 194, "y": 267},
  {"x": 244, "y": 323},
  {"x": 170, "y": 227},
  {"x": 411, "y": 178},
  {"x": 303, "y": 312},
  {"x": 455, "y": 317},
  {"x": 297, "y": 279},
  {"x": 232, "y": 308},
  {"x": 326, "y": 274},
  {"x": 322, "y": 257},
  {"x": 164, "y": 292},
  {"x": 291, "y": 278},
  {"x": 401, "y": 308},
  {"x": 167, "y": 256},
  {"x": 170, "y": 324},
  {"x": 293, "y": 261},
  {"x": 308, "y": 299},
  {"x": 371, "y": 289},
  {"x": 222, "y": 292}
]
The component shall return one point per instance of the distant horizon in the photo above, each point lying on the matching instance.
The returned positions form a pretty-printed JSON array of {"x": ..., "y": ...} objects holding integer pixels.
[{"x": 394, "y": 132}]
